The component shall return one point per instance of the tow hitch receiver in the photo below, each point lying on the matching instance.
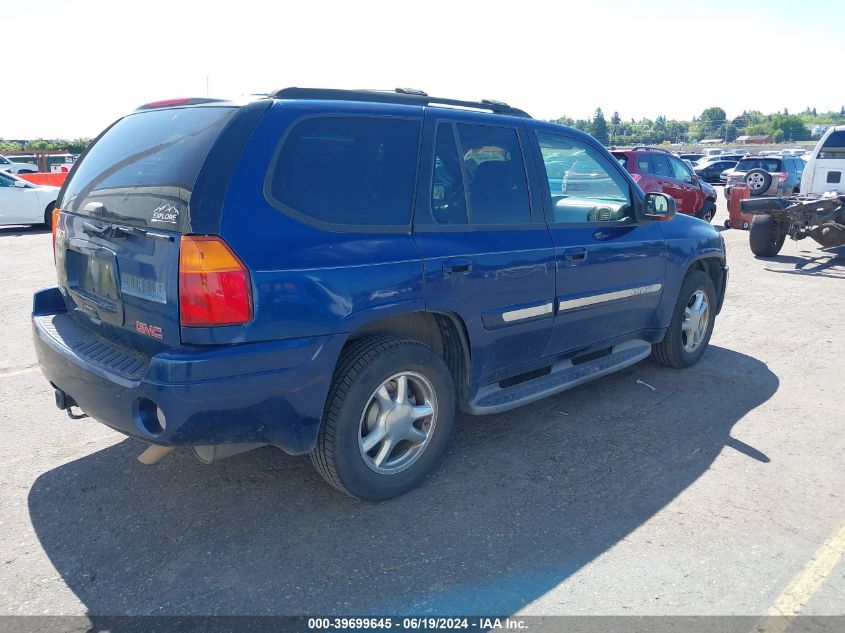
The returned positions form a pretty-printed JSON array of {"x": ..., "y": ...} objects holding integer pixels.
[{"x": 66, "y": 404}]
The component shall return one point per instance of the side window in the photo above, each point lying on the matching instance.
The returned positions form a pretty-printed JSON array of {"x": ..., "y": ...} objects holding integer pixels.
[
  {"x": 680, "y": 171},
  {"x": 5, "y": 181},
  {"x": 644, "y": 163},
  {"x": 583, "y": 185},
  {"x": 349, "y": 170},
  {"x": 495, "y": 172},
  {"x": 662, "y": 166},
  {"x": 448, "y": 202}
]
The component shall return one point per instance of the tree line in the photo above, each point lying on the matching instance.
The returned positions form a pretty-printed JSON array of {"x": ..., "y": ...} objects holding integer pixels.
[
  {"x": 74, "y": 146},
  {"x": 713, "y": 123}
]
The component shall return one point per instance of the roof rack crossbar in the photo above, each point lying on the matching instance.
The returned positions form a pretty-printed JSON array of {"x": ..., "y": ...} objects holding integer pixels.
[{"x": 400, "y": 95}]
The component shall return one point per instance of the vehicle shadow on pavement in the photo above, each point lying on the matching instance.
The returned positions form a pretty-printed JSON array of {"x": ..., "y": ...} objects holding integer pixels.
[
  {"x": 521, "y": 501},
  {"x": 831, "y": 263},
  {"x": 19, "y": 230}
]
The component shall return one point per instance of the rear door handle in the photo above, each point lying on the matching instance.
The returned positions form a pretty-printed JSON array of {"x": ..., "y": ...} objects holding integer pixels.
[
  {"x": 575, "y": 254},
  {"x": 459, "y": 266}
]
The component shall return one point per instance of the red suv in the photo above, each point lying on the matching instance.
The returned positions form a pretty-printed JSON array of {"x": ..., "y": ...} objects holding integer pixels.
[{"x": 658, "y": 170}]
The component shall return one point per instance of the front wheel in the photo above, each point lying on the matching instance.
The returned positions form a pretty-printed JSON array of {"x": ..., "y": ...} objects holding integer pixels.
[
  {"x": 689, "y": 331},
  {"x": 707, "y": 211},
  {"x": 387, "y": 419},
  {"x": 48, "y": 215},
  {"x": 766, "y": 237}
]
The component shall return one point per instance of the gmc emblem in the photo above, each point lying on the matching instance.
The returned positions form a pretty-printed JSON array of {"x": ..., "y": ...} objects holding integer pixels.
[{"x": 148, "y": 330}]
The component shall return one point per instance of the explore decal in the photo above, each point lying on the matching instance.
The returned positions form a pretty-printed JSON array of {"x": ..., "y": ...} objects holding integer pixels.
[{"x": 165, "y": 213}]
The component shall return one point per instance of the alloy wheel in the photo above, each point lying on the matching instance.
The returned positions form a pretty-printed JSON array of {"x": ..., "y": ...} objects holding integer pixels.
[
  {"x": 696, "y": 320},
  {"x": 398, "y": 423}
]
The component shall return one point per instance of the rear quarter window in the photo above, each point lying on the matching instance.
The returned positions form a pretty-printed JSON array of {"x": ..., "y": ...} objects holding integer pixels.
[{"x": 347, "y": 171}]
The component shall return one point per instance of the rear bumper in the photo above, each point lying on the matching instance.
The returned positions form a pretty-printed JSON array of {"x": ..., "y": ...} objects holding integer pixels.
[{"x": 270, "y": 392}]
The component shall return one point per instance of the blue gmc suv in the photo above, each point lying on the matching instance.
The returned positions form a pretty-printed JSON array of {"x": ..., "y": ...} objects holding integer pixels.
[{"x": 334, "y": 272}]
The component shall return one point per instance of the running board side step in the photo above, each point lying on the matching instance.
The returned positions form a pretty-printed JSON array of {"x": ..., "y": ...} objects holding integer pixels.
[{"x": 563, "y": 375}]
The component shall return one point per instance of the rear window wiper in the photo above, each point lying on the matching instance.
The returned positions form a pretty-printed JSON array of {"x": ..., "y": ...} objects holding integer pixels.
[{"x": 116, "y": 231}]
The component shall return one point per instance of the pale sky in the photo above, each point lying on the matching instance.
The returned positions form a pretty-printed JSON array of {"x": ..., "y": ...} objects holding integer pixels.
[{"x": 79, "y": 64}]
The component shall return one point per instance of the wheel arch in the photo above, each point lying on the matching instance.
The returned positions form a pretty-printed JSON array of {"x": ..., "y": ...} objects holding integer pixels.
[
  {"x": 48, "y": 212},
  {"x": 444, "y": 332},
  {"x": 714, "y": 267}
]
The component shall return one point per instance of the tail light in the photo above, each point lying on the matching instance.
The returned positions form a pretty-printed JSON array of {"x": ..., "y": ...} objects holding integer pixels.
[
  {"x": 637, "y": 178},
  {"x": 214, "y": 286},
  {"x": 54, "y": 224},
  {"x": 782, "y": 176}
]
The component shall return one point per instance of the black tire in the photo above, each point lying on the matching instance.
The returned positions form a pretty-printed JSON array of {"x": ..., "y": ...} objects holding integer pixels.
[
  {"x": 48, "y": 215},
  {"x": 671, "y": 351},
  {"x": 766, "y": 181},
  {"x": 728, "y": 223},
  {"x": 707, "y": 211},
  {"x": 766, "y": 236},
  {"x": 363, "y": 366}
]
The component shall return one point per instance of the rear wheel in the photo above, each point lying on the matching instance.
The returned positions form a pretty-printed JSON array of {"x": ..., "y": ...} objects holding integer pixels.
[
  {"x": 689, "y": 331},
  {"x": 766, "y": 237},
  {"x": 387, "y": 419},
  {"x": 48, "y": 215},
  {"x": 728, "y": 223}
]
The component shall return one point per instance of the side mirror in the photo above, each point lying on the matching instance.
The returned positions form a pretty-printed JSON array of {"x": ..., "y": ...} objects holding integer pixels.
[
  {"x": 20, "y": 183},
  {"x": 695, "y": 177},
  {"x": 659, "y": 207}
]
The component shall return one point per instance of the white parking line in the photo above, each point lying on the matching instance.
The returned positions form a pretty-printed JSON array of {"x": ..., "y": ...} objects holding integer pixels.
[
  {"x": 794, "y": 598},
  {"x": 17, "y": 371}
]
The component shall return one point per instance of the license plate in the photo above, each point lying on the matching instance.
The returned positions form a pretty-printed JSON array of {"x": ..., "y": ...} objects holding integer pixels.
[{"x": 95, "y": 275}]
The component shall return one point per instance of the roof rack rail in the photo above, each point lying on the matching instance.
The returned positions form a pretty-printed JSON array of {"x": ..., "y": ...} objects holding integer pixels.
[
  {"x": 651, "y": 148},
  {"x": 408, "y": 96}
]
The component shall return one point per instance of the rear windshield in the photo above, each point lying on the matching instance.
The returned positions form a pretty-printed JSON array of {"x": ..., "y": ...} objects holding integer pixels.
[
  {"x": 142, "y": 171},
  {"x": 836, "y": 139},
  {"x": 834, "y": 146},
  {"x": 769, "y": 164}
]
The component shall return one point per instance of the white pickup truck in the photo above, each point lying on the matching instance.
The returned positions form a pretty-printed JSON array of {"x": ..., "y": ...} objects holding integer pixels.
[
  {"x": 824, "y": 170},
  {"x": 17, "y": 168}
]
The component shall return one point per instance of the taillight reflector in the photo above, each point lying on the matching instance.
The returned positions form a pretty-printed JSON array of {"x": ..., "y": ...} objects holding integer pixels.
[
  {"x": 636, "y": 178},
  {"x": 214, "y": 286}
]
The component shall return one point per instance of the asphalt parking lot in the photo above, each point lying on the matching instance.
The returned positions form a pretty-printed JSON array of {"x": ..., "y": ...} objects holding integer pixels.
[{"x": 719, "y": 491}]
